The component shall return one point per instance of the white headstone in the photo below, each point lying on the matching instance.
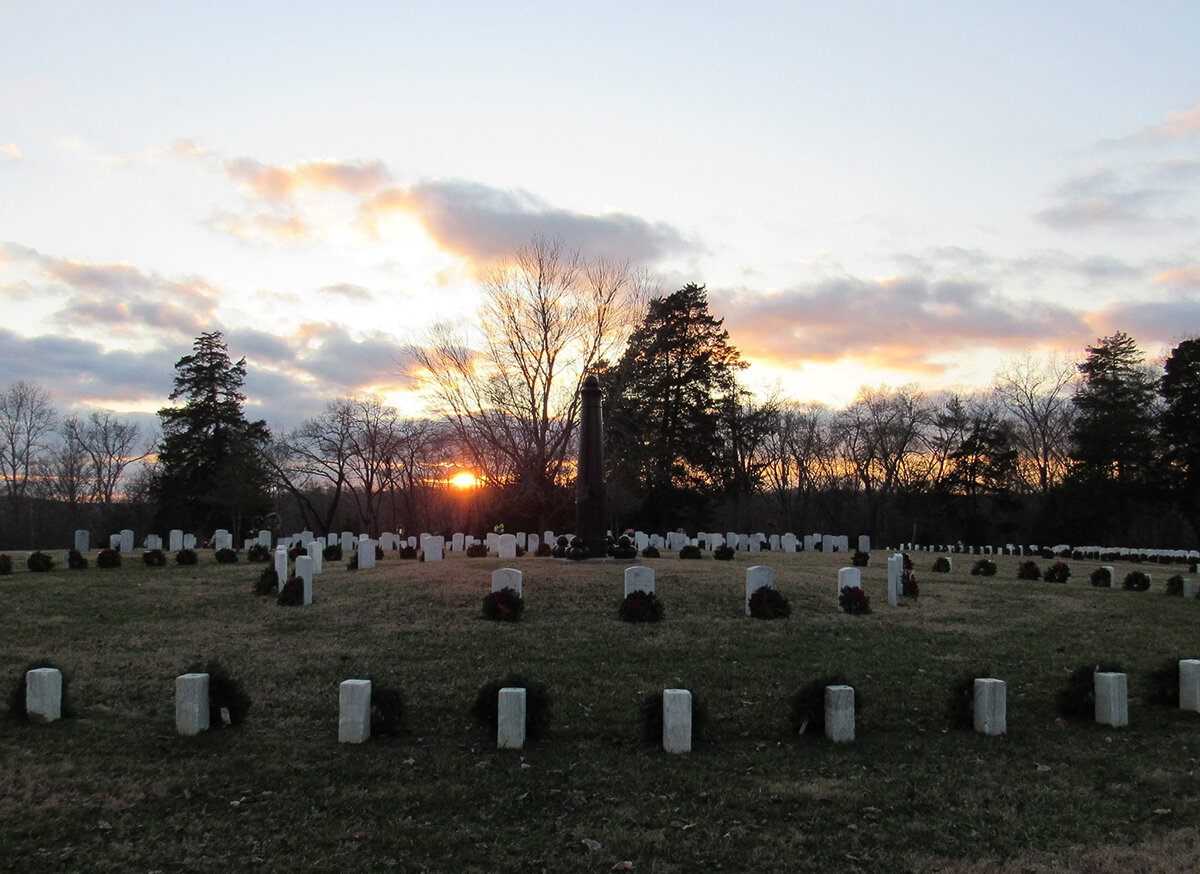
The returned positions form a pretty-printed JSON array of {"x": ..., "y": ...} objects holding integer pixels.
[
  {"x": 864, "y": 543},
  {"x": 304, "y": 570},
  {"x": 83, "y": 539},
  {"x": 548, "y": 537},
  {"x": 189, "y": 541},
  {"x": 281, "y": 566},
  {"x": 331, "y": 538},
  {"x": 828, "y": 543},
  {"x": 354, "y": 711},
  {"x": 677, "y": 721},
  {"x": 773, "y": 541},
  {"x": 264, "y": 538},
  {"x": 222, "y": 539},
  {"x": 1112, "y": 699},
  {"x": 990, "y": 706},
  {"x": 506, "y": 546},
  {"x": 757, "y": 576},
  {"x": 316, "y": 553},
  {"x": 126, "y": 540},
  {"x": 1189, "y": 684},
  {"x": 434, "y": 547},
  {"x": 191, "y": 703},
  {"x": 639, "y": 579},
  {"x": 43, "y": 694},
  {"x": 175, "y": 540},
  {"x": 506, "y": 578},
  {"x": 839, "y": 713},
  {"x": 895, "y": 579},
  {"x": 456, "y": 542},
  {"x": 848, "y": 576},
  {"x": 788, "y": 542},
  {"x": 510, "y": 724},
  {"x": 532, "y": 543},
  {"x": 347, "y": 541},
  {"x": 366, "y": 554},
  {"x": 755, "y": 545},
  {"x": 743, "y": 542},
  {"x": 523, "y": 540}
]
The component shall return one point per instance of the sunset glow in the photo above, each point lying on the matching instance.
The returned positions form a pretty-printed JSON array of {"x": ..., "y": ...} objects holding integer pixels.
[{"x": 464, "y": 480}]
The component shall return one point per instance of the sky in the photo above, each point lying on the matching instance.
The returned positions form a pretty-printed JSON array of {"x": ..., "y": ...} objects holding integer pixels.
[{"x": 874, "y": 193}]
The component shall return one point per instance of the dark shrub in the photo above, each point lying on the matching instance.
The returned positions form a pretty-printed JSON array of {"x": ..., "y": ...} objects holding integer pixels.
[
  {"x": 807, "y": 711},
  {"x": 651, "y": 552},
  {"x": 108, "y": 558},
  {"x": 852, "y": 599},
  {"x": 485, "y": 710},
  {"x": 183, "y": 557},
  {"x": 76, "y": 560},
  {"x": 5, "y": 564},
  {"x": 1029, "y": 571},
  {"x": 258, "y": 553},
  {"x": 985, "y": 567},
  {"x": 544, "y": 550},
  {"x": 767, "y": 602},
  {"x": 1058, "y": 572},
  {"x": 408, "y": 553},
  {"x": 39, "y": 562},
  {"x": 861, "y": 559},
  {"x": 1077, "y": 700},
  {"x": 154, "y": 558},
  {"x": 332, "y": 552},
  {"x": 504, "y": 605},
  {"x": 226, "y": 556},
  {"x": 640, "y": 606},
  {"x": 477, "y": 550},
  {"x": 1162, "y": 684},
  {"x": 690, "y": 551},
  {"x": 1102, "y": 577},
  {"x": 267, "y": 583},
  {"x": 941, "y": 565},
  {"x": 228, "y": 702},
  {"x": 908, "y": 585},
  {"x": 292, "y": 593},
  {"x": 388, "y": 710},
  {"x": 1175, "y": 586},
  {"x": 723, "y": 553},
  {"x": 1136, "y": 581}
]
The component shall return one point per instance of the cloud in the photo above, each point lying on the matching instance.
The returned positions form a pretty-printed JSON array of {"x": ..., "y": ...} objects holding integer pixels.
[
  {"x": 1175, "y": 126},
  {"x": 1105, "y": 198},
  {"x": 335, "y": 359},
  {"x": 10, "y": 152},
  {"x": 906, "y": 323},
  {"x": 1180, "y": 277},
  {"x": 272, "y": 182},
  {"x": 261, "y": 227},
  {"x": 348, "y": 291},
  {"x": 117, "y": 297},
  {"x": 1150, "y": 321},
  {"x": 484, "y": 224}
]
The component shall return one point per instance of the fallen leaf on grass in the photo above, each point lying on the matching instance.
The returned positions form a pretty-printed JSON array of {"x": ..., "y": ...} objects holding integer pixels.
[
  {"x": 590, "y": 844},
  {"x": 622, "y": 866}
]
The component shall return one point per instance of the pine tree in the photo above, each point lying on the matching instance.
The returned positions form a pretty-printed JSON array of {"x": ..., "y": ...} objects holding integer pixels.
[
  {"x": 1180, "y": 428},
  {"x": 663, "y": 415},
  {"x": 211, "y": 470}
]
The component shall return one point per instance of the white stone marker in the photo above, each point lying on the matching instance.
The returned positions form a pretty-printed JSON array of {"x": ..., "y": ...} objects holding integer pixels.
[
  {"x": 506, "y": 546},
  {"x": 126, "y": 540},
  {"x": 456, "y": 542},
  {"x": 677, "y": 721},
  {"x": 83, "y": 539},
  {"x": 434, "y": 547},
  {"x": 175, "y": 539},
  {"x": 189, "y": 541},
  {"x": 1112, "y": 575},
  {"x": 354, "y": 711},
  {"x": 1189, "y": 589},
  {"x": 991, "y": 706},
  {"x": 153, "y": 541},
  {"x": 532, "y": 542},
  {"x": 506, "y": 578},
  {"x": 1112, "y": 699},
  {"x": 757, "y": 576},
  {"x": 510, "y": 723},
  {"x": 895, "y": 579},
  {"x": 264, "y": 538},
  {"x": 43, "y": 694},
  {"x": 281, "y": 566},
  {"x": 347, "y": 541},
  {"x": 847, "y": 576},
  {"x": 316, "y": 553},
  {"x": 304, "y": 570},
  {"x": 191, "y": 703},
  {"x": 864, "y": 543},
  {"x": 839, "y": 713},
  {"x": 366, "y": 554},
  {"x": 639, "y": 579},
  {"x": 788, "y": 542},
  {"x": 1189, "y": 684}
]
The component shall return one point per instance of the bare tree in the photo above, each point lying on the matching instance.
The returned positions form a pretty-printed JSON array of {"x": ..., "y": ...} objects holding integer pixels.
[
  {"x": 1038, "y": 395},
  {"x": 512, "y": 397},
  {"x": 799, "y": 460},
  {"x": 26, "y": 424},
  {"x": 112, "y": 445}
]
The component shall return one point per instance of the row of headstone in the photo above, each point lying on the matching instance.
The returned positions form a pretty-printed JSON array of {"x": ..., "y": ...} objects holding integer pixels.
[
  {"x": 43, "y": 703},
  {"x": 1060, "y": 550}
]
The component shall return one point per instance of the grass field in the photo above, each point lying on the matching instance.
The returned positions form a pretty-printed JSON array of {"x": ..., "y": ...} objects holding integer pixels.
[{"x": 115, "y": 789}]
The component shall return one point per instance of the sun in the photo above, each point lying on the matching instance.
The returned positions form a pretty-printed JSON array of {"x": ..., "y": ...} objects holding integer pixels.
[{"x": 464, "y": 479}]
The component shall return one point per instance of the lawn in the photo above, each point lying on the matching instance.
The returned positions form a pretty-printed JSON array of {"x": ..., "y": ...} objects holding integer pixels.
[{"x": 115, "y": 789}]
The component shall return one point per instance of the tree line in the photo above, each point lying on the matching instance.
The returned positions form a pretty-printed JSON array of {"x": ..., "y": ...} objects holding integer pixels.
[{"x": 1102, "y": 449}]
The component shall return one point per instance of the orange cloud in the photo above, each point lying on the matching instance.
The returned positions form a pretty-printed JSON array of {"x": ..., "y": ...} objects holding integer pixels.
[
  {"x": 9, "y": 152},
  {"x": 281, "y": 182},
  {"x": 1183, "y": 276}
]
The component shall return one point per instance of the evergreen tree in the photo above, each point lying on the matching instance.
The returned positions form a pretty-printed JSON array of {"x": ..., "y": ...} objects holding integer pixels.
[
  {"x": 1180, "y": 428},
  {"x": 211, "y": 468},
  {"x": 665, "y": 401},
  {"x": 1114, "y": 433}
]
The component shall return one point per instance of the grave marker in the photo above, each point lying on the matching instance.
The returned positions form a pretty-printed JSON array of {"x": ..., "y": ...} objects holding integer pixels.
[
  {"x": 848, "y": 576},
  {"x": 1112, "y": 699},
  {"x": 639, "y": 579},
  {"x": 677, "y": 721},
  {"x": 506, "y": 578},
  {"x": 43, "y": 694},
  {"x": 354, "y": 711},
  {"x": 990, "y": 706},
  {"x": 510, "y": 722},
  {"x": 756, "y": 577},
  {"x": 191, "y": 703},
  {"x": 839, "y": 713}
]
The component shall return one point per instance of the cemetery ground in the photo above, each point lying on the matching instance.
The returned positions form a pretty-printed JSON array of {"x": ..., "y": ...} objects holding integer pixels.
[{"x": 116, "y": 789}]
